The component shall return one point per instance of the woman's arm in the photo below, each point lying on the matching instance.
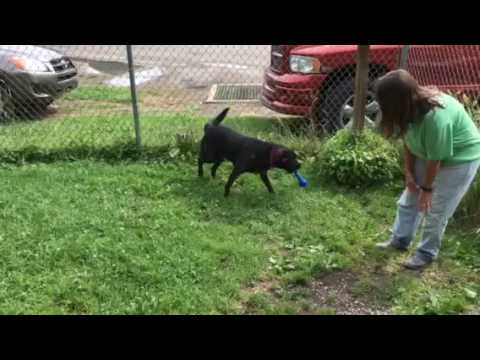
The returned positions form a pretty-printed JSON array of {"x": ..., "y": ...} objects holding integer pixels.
[
  {"x": 410, "y": 170},
  {"x": 431, "y": 172}
]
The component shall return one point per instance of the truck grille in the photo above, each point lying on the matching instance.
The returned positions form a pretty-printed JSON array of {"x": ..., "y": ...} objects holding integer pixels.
[{"x": 279, "y": 59}]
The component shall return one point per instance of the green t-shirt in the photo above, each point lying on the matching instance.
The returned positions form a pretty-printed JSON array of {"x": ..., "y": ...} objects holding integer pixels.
[{"x": 447, "y": 134}]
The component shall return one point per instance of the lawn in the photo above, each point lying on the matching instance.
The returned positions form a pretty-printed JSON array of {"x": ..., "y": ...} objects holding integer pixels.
[{"x": 92, "y": 226}]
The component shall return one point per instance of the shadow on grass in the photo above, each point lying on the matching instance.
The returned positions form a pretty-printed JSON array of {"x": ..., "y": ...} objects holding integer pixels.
[
  {"x": 115, "y": 153},
  {"x": 246, "y": 203},
  {"x": 29, "y": 114}
]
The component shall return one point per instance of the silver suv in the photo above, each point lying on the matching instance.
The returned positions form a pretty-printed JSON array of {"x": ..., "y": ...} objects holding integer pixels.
[{"x": 31, "y": 78}]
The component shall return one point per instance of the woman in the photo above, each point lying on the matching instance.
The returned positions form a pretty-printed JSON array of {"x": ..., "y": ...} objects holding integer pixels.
[{"x": 442, "y": 157}]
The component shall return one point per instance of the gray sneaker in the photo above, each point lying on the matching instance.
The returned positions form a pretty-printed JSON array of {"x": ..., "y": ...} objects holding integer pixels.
[
  {"x": 416, "y": 263},
  {"x": 390, "y": 245}
]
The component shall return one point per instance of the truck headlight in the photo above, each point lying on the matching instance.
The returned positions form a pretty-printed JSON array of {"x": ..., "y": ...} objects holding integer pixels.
[
  {"x": 29, "y": 65},
  {"x": 304, "y": 64}
]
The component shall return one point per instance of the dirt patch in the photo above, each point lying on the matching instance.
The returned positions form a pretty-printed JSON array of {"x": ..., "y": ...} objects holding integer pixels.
[
  {"x": 340, "y": 293},
  {"x": 263, "y": 287},
  {"x": 336, "y": 291},
  {"x": 187, "y": 100}
]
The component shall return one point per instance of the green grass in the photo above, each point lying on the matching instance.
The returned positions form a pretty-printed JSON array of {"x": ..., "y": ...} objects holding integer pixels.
[
  {"x": 88, "y": 237},
  {"x": 100, "y": 93},
  {"x": 96, "y": 238},
  {"x": 122, "y": 232}
]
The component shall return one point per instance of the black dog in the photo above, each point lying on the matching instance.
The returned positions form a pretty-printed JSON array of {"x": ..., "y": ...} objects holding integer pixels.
[{"x": 247, "y": 154}]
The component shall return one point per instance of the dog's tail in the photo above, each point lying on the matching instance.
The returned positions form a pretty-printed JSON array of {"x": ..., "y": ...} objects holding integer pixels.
[{"x": 218, "y": 120}]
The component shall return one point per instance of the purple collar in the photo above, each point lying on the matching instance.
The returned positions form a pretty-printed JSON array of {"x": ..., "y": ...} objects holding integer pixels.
[{"x": 275, "y": 156}]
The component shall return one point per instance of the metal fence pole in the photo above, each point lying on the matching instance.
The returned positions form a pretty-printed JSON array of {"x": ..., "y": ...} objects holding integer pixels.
[
  {"x": 133, "y": 90},
  {"x": 404, "y": 57}
]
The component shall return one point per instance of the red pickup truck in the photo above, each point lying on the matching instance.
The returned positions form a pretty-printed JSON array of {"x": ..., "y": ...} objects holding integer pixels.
[{"x": 317, "y": 81}]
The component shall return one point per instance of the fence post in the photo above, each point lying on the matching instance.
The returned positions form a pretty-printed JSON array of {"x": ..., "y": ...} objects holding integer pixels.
[
  {"x": 404, "y": 57},
  {"x": 133, "y": 91},
  {"x": 361, "y": 87}
]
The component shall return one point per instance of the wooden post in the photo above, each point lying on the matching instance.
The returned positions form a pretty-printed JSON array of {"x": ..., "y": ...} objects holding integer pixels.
[
  {"x": 361, "y": 87},
  {"x": 404, "y": 57}
]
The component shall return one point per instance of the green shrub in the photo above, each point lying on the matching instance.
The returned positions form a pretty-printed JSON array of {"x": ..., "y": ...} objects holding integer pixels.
[
  {"x": 362, "y": 160},
  {"x": 469, "y": 210},
  {"x": 472, "y": 106}
]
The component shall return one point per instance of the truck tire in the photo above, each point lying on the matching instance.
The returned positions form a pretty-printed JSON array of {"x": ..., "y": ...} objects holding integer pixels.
[{"x": 328, "y": 112}]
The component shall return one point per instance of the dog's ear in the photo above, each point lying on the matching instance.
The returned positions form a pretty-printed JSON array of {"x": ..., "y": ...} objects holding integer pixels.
[{"x": 218, "y": 120}]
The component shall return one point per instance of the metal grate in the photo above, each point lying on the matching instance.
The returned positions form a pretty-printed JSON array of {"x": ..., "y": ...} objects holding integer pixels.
[{"x": 228, "y": 93}]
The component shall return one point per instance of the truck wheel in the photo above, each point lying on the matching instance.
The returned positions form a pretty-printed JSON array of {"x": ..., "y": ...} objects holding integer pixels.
[
  {"x": 336, "y": 105},
  {"x": 7, "y": 104}
]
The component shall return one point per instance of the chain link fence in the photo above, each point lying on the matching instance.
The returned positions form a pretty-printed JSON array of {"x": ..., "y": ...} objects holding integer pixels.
[{"x": 78, "y": 95}]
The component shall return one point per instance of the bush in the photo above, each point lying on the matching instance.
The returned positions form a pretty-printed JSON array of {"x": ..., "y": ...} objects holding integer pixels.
[
  {"x": 469, "y": 210},
  {"x": 362, "y": 160}
]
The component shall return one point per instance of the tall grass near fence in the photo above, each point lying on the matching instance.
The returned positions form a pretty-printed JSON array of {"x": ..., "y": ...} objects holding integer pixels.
[
  {"x": 112, "y": 138},
  {"x": 469, "y": 211}
]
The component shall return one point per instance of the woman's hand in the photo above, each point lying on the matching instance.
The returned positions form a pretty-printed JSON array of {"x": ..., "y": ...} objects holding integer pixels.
[
  {"x": 425, "y": 198},
  {"x": 425, "y": 201}
]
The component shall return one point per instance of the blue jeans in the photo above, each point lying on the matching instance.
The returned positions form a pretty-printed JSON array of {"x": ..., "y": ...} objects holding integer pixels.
[{"x": 450, "y": 186}]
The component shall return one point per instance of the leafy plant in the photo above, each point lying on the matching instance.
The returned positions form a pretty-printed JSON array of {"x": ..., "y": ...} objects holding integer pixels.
[
  {"x": 314, "y": 257},
  {"x": 186, "y": 144}
]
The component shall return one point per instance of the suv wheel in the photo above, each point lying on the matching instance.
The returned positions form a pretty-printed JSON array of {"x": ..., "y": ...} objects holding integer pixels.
[{"x": 7, "y": 105}]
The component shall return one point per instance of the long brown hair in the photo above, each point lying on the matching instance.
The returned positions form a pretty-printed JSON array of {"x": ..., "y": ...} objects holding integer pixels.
[{"x": 402, "y": 101}]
